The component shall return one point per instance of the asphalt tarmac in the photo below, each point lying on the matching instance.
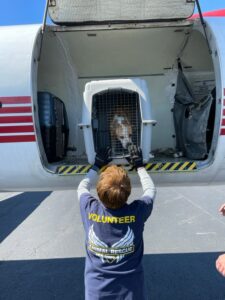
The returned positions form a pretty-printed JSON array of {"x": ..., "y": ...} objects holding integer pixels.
[{"x": 42, "y": 245}]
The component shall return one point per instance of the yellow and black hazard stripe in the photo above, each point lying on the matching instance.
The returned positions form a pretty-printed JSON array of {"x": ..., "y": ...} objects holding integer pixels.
[
  {"x": 73, "y": 170},
  {"x": 186, "y": 166},
  {"x": 171, "y": 166}
]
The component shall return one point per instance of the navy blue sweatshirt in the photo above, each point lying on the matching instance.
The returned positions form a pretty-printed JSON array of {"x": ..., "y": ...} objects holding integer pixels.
[{"x": 114, "y": 243}]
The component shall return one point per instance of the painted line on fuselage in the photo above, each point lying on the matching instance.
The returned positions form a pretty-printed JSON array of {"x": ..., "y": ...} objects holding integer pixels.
[
  {"x": 15, "y": 100},
  {"x": 16, "y": 120},
  {"x": 16, "y": 139},
  {"x": 16, "y": 129},
  {"x": 17, "y": 109}
]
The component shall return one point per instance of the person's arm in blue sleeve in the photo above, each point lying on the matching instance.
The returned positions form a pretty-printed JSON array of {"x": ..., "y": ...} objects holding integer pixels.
[{"x": 220, "y": 262}]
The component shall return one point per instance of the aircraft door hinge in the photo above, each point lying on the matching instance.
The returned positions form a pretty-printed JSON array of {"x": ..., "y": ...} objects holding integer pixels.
[
  {"x": 43, "y": 26},
  {"x": 52, "y": 3}
]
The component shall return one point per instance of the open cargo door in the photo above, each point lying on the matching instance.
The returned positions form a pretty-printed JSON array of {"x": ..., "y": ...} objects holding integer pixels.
[{"x": 70, "y": 12}]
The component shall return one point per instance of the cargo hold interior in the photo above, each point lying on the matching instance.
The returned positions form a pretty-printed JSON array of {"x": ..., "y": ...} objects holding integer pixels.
[{"x": 72, "y": 58}]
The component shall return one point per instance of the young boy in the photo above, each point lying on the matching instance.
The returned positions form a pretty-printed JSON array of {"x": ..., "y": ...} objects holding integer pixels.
[{"x": 114, "y": 230}]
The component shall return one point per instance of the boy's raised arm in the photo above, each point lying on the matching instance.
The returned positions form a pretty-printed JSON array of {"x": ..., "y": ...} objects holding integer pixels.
[
  {"x": 102, "y": 158},
  {"x": 136, "y": 160},
  {"x": 147, "y": 183},
  {"x": 85, "y": 184}
]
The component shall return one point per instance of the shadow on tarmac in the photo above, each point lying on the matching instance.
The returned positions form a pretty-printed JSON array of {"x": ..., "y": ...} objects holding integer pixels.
[
  {"x": 15, "y": 210},
  {"x": 185, "y": 276}
]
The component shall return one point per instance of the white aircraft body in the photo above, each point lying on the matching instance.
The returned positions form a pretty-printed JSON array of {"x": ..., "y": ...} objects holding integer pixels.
[{"x": 151, "y": 61}]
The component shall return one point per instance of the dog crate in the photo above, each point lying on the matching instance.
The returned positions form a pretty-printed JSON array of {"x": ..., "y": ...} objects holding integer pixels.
[
  {"x": 116, "y": 120},
  {"x": 116, "y": 113}
]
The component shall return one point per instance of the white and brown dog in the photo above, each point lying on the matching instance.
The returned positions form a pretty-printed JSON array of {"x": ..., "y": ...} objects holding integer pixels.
[{"x": 121, "y": 129}]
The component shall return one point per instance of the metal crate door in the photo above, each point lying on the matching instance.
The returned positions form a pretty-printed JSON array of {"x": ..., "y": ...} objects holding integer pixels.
[{"x": 109, "y": 130}]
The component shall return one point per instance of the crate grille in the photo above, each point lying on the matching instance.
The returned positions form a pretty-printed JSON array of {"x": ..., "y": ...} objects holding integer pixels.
[{"x": 105, "y": 106}]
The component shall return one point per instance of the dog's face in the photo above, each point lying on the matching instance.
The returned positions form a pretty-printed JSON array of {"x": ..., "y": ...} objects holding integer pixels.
[{"x": 121, "y": 128}]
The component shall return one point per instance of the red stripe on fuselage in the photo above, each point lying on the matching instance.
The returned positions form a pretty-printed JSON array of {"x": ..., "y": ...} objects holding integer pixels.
[
  {"x": 17, "y": 138},
  {"x": 16, "y": 119},
  {"x": 16, "y": 129},
  {"x": 222, "y": 131},
  {"x": 11, "y": 110},
  {"x": 15, "y": 100},
  {"x": 214, "y": 13}
]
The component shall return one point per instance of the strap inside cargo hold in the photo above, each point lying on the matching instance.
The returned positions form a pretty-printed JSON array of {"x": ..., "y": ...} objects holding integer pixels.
[{"x": 191, "y": 120}]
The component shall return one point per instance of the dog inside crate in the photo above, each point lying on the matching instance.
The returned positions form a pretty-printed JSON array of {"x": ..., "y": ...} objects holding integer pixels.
[{"x": 116, "y": 120}]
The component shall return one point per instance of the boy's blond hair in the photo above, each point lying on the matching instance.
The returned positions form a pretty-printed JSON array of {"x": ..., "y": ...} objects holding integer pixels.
[{"x": 114, "y": 187}]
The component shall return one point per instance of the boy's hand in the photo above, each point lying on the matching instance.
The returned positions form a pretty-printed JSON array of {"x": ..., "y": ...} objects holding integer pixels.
[
  {"x": 222, "y": 209},
  {"x": 102, "y": 157},
  {"x": 135, "y": 158}
]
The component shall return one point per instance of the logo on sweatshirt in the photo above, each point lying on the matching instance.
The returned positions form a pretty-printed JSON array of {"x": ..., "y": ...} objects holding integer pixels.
[{"x": 114, "y": 253}]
